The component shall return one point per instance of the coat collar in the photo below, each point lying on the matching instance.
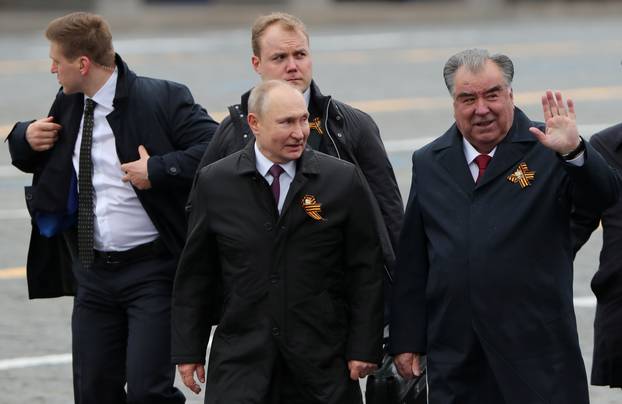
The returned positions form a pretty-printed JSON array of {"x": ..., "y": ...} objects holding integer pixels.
[
  {"x": 449, "y": 151},
  {"x": 617, "y": 138},
  {"x": 319, "y": 99},
  {"x": 307, "y": 165},
  {"x": 125, "y": 80}
]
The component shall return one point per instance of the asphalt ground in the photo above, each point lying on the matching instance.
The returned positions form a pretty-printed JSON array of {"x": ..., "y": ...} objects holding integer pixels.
[{"x": 385, "y": 60}]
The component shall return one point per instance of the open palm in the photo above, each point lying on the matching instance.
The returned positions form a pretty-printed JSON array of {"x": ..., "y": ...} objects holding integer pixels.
[{"x": 561, "y": 133}]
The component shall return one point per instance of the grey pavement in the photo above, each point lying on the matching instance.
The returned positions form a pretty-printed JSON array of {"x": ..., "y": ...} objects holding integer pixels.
[{"x": 387, "y": 59}]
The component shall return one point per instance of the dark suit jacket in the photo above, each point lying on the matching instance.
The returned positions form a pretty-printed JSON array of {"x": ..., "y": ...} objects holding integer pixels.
[
  {"x": 308, "y": 290},
  {"x": 495, "y": 259},
  {"x": 607, "y": 282},
  {"x": 162, "y": 116}
]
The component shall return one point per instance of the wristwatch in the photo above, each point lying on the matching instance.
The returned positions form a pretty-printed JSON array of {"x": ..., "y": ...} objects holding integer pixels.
[{"x": 574, "y": 153}]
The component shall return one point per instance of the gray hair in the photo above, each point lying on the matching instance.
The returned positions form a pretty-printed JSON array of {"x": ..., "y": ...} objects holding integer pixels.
[
  {"x": 474, "y": 60},
  {"x": 259, "y": 95}
]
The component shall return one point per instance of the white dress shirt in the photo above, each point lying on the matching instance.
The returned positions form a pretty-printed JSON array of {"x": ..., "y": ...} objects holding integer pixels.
[
  {"x": 120, "y": 221},
  {"x": 307, "y": 96},
  {"x": 263, "y": 167},
  {"x": 470, "y": 153}
]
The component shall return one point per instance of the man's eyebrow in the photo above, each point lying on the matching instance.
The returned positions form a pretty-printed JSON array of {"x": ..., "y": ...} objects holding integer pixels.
[
  {"x": 494, "y": 89},
  {"x": 465, "y": 94},
  {"x": 488, "y": 91}
]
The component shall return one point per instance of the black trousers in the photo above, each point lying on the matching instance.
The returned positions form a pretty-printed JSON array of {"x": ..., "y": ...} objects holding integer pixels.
[{"x": 121, "y": 333}]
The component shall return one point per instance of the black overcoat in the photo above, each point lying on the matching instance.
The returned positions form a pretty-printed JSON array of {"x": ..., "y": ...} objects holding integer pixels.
[
  {"x": 607, "y": 282},
  {"x": 158, "y": 114},
  {"x": 493, "y": 262},
  {"x": 307, "y": 290}
]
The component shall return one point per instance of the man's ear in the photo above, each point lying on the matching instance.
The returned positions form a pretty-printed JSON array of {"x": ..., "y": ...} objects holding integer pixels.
[
  {"x": 85, "y": 64},
  {"x": 253, "y": 122},
  {"x": 256, "y": 62}
]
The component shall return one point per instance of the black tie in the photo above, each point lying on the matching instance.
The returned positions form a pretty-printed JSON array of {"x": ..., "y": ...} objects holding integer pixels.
[
  {"x": 85, "y": 189},
  {"x": 276, "y": 171}
]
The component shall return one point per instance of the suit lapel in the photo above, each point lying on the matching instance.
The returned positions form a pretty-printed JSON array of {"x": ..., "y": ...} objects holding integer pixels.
[
  {"x": 126, "y": 149},
  {"x": 307, "y": 165},
  {"x": 53, "y": 187},
  {"x": 247, "y": 167},
  {"x": 450, "y": 154}
]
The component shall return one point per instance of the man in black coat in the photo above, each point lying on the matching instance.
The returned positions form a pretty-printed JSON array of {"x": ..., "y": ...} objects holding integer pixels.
[
  {"x": 113, "y": 165},
  {"x": 484, "y": 269},
  {"x": 281, "y": 51},
  {"x": 607, "y": 282},
  {"x": 283, "y": 233}
]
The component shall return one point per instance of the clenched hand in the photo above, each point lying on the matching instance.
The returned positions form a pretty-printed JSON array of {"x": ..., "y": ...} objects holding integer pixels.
[{"x": 42, "y": 134}]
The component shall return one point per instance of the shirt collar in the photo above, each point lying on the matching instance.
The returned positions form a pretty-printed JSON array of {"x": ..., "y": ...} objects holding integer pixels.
[
  {"x": 105, "y": 95},
  {"x": 264, "y": 164},
  {"x": 307, "y": 95},
  {"x": 470, "y": 153}
]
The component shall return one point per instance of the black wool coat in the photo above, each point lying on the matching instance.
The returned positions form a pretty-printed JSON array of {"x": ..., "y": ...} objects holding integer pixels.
[
  {"x": 305, "y": 289},
  {"x": 492, "y": 261}
]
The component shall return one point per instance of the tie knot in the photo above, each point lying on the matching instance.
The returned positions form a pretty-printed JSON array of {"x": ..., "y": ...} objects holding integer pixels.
[
  {"x": 89, "y": 106},
  {"x": 482, "y": 161},
  {"x": 276, "y": 171}
]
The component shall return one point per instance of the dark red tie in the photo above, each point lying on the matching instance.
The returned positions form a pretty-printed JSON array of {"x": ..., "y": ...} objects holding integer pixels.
[
  {"x": 482, "y": 162},
  {"x": 276, "y": 171}
]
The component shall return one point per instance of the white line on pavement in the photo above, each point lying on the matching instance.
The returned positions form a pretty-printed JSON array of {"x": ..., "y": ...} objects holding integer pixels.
[
  {"x": 19, "y": 363},
  {"x": 62, "y": 359}
]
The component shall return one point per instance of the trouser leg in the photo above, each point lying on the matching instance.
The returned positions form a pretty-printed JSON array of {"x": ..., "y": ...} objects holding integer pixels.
[
  {"x": 150, "y": 373},
  {"x": 99, "y": 332}
]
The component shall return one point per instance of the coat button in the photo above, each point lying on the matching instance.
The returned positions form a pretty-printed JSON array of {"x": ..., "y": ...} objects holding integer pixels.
[
  {"x": 275, "y": 331},
  {"x": 338, "y": 118},
  {"x": 172, "y": 170},
  {"x": 267, "y": 226},
  {"x": 274, "y": 280},
  {"x": 339, "y": 134},
  {"x": 245, "y": 135}
]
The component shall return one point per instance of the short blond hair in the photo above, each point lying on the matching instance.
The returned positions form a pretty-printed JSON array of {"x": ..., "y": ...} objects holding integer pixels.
[
  {"x": 262, "y": 23},
  {"x": 83, "y": 33}
]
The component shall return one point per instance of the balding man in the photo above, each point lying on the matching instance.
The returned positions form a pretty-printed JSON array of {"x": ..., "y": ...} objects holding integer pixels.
[{"x": 286, "y": 237}]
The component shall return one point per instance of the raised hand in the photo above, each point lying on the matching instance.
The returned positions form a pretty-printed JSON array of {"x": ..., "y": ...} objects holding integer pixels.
[{"x": 561, "y": 134}]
